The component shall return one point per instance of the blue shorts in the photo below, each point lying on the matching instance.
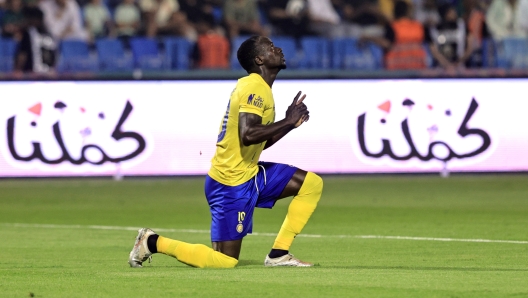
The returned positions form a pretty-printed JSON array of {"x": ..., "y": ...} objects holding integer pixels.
[{"x": 232, "y": 206}]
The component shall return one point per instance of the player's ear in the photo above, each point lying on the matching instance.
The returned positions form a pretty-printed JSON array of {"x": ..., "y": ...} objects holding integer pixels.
[{"x": 259, "y": 61}]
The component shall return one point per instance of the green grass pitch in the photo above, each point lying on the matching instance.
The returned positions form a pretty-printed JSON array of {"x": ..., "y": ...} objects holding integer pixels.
[{"x": 52, "y": 243}]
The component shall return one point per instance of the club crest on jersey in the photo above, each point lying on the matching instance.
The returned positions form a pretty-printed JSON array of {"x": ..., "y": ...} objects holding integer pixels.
[{"x": 255, "y": 100}]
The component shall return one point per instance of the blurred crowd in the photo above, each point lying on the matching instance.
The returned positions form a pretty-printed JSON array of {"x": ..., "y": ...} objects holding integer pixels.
[{"x": 451, "y": 30}]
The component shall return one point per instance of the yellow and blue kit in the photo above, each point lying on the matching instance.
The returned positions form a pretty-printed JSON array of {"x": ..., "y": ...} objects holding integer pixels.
[{"x": 237, "y": 182}]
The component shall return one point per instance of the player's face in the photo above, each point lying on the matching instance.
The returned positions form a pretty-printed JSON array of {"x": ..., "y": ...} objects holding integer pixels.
[{"x": 273, "y": 56}]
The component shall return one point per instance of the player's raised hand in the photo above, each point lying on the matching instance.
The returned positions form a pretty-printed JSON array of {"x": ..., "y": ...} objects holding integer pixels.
[
  {"x": 298, "y": 101},
  {"x": 298, "y": 112}
]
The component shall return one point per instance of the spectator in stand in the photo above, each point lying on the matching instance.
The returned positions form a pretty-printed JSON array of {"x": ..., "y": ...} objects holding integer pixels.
[
  {"x": 98, "y": 20},
  {"x": 364, "y": 19},
  {"x": 406, "y": 37},
  {"x": 477, "y": 29},
  {"x": 523, "y": 16},
  {"x": 504, "y": 19},
  {"x": 386, "y": 7},
  {"x": 324, "y": 19},
  {"x": 476, "y": 18},
  {"x": 127, "y": 19},
  {"x": 36, "y": 50},
  {"x": 198, "y": 12},
  {"x": 426, "y": 12},
  {"x": 403, "y": 40},
  {"x": 13, "y": 20},
  {"x": 212, "y": 48},
  {"x": 241, "y": 17},
  {"x": 62, "y": 19},
  {"x": 450, "y": 44},
  {"x": 163, "y": 17},
  {"x": 289, "y": 17}
]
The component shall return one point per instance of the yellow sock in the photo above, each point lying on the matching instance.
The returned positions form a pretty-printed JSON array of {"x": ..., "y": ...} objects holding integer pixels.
[
  {"x": 196, "y": 255},
  {"x": 301, "y": 208}
]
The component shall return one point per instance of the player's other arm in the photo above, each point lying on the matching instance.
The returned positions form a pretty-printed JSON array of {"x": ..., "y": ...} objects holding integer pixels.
[
  {"x": 252, "y": 131},
  {"x": 303, "y": 119}
]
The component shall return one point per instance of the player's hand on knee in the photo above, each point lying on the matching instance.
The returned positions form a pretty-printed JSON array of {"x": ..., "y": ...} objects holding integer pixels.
[{"x": 298, "y": 112}]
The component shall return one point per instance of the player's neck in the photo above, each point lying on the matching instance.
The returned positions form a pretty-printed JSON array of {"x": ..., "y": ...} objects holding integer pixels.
[{"x": 269, "y": 75}]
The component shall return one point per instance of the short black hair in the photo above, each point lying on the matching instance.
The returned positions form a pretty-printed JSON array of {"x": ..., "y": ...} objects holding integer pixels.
[
  {"x": 401, "y": 9},
  {"x": 247, "y": 52}
]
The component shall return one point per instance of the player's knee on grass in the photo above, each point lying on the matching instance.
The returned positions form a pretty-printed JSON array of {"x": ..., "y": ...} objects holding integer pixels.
[{"x": 228, "y": 262}]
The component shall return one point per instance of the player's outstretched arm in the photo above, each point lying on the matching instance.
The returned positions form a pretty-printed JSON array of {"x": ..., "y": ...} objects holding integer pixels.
[{"x": 252, "y": 131}]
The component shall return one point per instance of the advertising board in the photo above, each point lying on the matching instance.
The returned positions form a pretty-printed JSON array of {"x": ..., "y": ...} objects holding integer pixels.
[{"x": 356, "y": 126}]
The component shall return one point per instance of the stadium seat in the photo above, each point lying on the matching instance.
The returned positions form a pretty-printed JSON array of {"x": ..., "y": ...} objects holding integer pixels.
[
  {"x": 75, "y": 56},
  {"x": 218, "y": 14},
  {"x": 489, "y": 53},
  {"x": 112, "y": 55},
  {"x": 178, "y": 52},
  {"x": 315, "y": 53},
  {"x": 147, "y": 54},
  {"x": 377, "y": 54},
  {"x": 512, "y": 53},
  {"x": 485, "y": 56},
  {"x": 7, "y": 54},
  {"x": 348, "y": 54}
]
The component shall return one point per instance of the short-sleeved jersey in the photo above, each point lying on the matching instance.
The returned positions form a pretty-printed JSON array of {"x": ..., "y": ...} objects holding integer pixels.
[{"x": 234, "y": 163}]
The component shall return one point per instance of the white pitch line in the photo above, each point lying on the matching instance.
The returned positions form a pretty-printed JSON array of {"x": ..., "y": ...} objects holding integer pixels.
[
  {"x": 193, "y": 231},
  {"x": 439, "y": 239}
]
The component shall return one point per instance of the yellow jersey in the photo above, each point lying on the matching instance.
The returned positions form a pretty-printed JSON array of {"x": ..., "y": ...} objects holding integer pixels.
[{"x": 234, "y": 163}]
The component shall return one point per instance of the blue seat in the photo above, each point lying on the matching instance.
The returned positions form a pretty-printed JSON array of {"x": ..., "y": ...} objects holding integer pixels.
[
  {"x": 75, "y": 56},
  {"x": 7, "y": 54},
  {"x": 218, "y": 14},
  {"x": 316, "y": 53},
  {"x": 485, "y": 56},
  {"x": 377, "y": 54},
  {"x": 289, "y": 49},
  {"x": 348, "y": 54},
  {"x": 146, "y": 54},
  {"x": 489, "y": 53},
  {"x": 112, "y": 55},
  {"x": 178, "y": 52},
  {"x": 512, "y": 53}
]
